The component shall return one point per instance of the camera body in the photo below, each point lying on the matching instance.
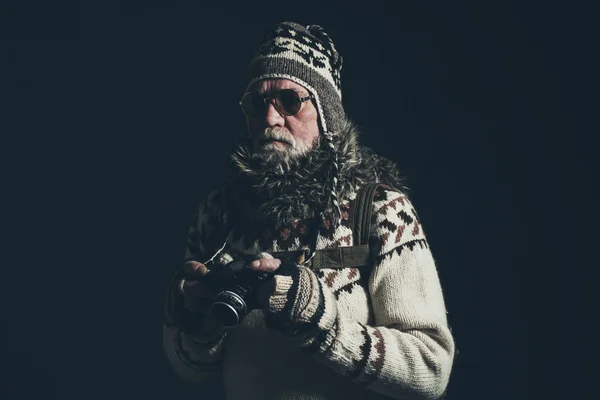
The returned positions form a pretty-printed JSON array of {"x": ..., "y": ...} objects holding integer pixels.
[{"x": 237, "y": 294}]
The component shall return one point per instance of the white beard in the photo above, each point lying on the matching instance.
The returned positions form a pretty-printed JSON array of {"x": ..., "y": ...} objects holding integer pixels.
[{"x": 270, "y": 153}]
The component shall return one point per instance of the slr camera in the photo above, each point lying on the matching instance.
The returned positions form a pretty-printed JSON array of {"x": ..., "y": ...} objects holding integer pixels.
[{"x": 237, "y": 293}]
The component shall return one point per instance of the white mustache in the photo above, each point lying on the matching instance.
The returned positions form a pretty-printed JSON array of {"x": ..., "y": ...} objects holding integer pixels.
[{"x": 278, "y": 134}]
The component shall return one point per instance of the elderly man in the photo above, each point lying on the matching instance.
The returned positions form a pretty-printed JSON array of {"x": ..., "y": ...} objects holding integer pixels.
[{"x": 276, "y": 295}]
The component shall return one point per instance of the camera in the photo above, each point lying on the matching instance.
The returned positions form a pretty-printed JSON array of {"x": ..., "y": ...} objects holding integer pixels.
[{"x": 237, "y": 296}]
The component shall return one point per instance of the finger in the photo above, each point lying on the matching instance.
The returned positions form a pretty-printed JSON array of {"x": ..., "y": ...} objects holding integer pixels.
[
  {"x": 195, "y": 268},
  {"x": 266, "y": 264},
  {"x": 194, "y": 288}
]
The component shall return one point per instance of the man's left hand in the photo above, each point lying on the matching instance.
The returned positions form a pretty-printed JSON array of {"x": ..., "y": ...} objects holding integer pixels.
[{"x": 269, "y": 265}]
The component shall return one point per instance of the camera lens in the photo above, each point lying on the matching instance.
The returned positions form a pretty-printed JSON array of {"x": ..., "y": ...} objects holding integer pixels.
[{"x": 229, "y": 308}]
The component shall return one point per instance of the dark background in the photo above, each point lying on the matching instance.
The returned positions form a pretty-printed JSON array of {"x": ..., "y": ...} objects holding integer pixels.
[{"x": 116, "y": 117}]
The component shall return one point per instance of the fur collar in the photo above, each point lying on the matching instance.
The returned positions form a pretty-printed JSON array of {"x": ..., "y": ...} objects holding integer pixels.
[{"x": 279, "y": 195}]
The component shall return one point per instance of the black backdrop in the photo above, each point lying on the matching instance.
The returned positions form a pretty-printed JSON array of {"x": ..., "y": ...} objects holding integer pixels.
[{"x": 117, "y": 117}]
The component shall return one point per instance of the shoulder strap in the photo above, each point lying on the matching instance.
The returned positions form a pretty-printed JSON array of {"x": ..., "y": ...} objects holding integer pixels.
[
  {"x": 362, "y": 213},
  {"x": 356, "y": 256}
]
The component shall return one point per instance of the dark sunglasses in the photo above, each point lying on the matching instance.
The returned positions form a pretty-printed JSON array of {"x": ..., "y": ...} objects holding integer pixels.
[{"x": 287, "y": 102}]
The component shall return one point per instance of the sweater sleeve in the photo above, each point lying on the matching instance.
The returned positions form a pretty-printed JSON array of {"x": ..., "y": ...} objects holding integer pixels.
[
  {"x": 195, "y": 356},
  {"x": 407, "y": 351}
]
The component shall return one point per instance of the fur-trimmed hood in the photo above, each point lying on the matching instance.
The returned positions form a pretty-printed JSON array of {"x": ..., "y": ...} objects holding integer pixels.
[{"x": 279, "y": 195}]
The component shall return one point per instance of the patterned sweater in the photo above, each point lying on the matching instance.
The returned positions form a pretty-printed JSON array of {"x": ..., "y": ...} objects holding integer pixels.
[{"x": 346, "y": 333}]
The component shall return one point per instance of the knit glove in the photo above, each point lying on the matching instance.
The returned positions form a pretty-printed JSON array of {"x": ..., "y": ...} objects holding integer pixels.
[{"x": 300, "y": 306}]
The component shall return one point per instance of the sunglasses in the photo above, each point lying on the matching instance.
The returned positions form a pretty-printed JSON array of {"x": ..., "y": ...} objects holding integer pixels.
[{"x": 287, "y": 102}]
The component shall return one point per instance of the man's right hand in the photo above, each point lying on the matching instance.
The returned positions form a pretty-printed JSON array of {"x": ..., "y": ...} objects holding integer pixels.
[{"x": 198, "y": 291}]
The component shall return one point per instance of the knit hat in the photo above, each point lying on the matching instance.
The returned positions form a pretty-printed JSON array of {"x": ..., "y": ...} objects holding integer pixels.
[{"x": 307, "y": 56}]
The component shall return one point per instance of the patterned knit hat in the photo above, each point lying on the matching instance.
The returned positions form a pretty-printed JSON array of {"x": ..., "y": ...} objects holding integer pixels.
[{"x": 307, "y": 56}]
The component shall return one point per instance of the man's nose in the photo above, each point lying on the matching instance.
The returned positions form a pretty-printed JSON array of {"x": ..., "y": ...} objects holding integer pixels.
[{"x": 272, "y": 116}]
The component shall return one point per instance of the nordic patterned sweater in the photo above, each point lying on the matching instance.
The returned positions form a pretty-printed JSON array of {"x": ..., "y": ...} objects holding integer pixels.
[{"x": 348, "y": 333}]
